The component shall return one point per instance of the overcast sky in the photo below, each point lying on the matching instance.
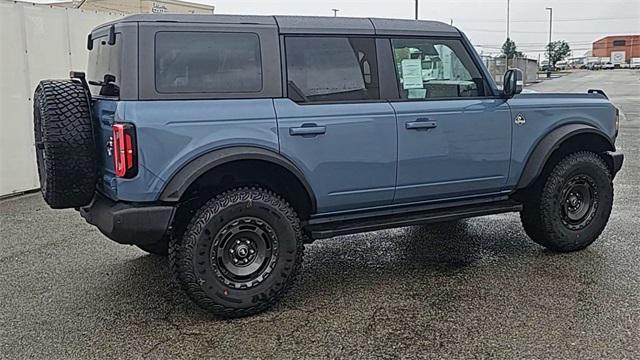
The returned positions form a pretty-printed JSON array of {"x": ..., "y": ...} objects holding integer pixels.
[{"x": 577, "y": 21}]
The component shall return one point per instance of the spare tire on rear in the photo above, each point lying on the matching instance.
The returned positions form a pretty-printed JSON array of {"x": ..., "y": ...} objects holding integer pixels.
[{"x": 65, "y": 144}]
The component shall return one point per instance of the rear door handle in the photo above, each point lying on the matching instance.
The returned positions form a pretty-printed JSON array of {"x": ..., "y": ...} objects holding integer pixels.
[
  {"x": 308, "y": 129},
  {"x": 421, "y": 124}
]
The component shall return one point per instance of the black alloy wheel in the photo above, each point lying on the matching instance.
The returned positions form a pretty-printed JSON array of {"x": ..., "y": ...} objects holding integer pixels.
[
  {"x": 579, "y": 202},
  {"x": 244, "y": 252}
]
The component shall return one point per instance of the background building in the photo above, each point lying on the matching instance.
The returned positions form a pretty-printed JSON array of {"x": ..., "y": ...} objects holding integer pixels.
[
  {"x": 140, "y": 6},
  {"x": 617, "y": 48}
]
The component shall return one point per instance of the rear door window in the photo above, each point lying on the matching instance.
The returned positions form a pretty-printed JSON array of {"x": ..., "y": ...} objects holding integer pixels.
[
  {"x": 207, "y": 62},
  {"x": 331, "y": 69}
]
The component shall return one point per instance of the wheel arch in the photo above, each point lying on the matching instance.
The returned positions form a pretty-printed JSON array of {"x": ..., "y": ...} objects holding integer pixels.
[
  {"x": 566, "y": 137},
  {"x": 180, "y": 182}
]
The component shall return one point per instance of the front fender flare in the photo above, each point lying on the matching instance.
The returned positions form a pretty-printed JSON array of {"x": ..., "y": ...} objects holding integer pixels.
[
  {"x": 181, "y": 181},
  {"x": 550, "y": 143}
]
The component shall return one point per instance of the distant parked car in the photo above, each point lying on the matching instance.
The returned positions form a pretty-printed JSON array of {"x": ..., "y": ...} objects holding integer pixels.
[
  {"x": 634, "y": 63},
  {"x": 608, "y": 66}
]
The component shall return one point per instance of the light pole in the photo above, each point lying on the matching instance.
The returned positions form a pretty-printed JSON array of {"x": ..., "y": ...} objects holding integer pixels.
[
  {"x": 508, "y": 5},
  {"x": 416, "y": 9},
  {"x": 549, "y": 45},
  {"x": 335, "y": 12},
  {"x": 508, "y": 11}
]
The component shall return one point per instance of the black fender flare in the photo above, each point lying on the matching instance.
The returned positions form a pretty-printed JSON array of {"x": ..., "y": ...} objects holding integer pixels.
[
  {"x": 180, "y": 182},
  {"x": 550, "y": 143}
]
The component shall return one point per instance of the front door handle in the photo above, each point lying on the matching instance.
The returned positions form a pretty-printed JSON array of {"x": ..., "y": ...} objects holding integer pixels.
[
  {"x": 420, "y": 124},
  {"x": 308, "y": 129}
]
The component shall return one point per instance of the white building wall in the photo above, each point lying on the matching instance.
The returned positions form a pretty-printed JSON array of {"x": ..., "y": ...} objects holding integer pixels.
[{"x": 36, "y": 42}]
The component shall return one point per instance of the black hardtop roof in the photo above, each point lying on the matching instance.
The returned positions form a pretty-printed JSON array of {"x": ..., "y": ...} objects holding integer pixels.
[{"x": 308, "y": 24}]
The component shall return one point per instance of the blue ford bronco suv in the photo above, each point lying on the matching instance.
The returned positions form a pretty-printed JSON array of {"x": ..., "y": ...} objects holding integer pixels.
[{"x": 228, "y": 142}]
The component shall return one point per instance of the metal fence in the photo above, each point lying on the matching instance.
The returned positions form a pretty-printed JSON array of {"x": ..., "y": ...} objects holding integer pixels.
[{"x": 498, "y": 65}]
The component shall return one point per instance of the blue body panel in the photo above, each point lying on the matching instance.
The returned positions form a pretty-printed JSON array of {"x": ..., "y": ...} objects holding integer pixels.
[
  {"x": 465, "y": 152},
  {"x": 353, "y": 163},
  {"x": 170, "y": 134},
  {"x": 364, "y": 156},
  {"x": 145, "y": 186},
  {"x": 547, "y": 112}
]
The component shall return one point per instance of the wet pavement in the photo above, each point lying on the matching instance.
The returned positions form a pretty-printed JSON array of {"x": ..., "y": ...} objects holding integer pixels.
[{"x": 476, "y": 288}]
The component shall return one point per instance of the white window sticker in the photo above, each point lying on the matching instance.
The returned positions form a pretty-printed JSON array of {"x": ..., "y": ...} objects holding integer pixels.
[
  {"x": 412, "y": 74},
  {"x": 417, "y": 93}
]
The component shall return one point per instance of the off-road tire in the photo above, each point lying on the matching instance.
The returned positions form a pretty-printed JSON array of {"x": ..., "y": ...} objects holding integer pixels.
[
  {"x": 543, "y": 217},
  {"x": 65, "y": 144},
  {"x": 194, "y": 257}
]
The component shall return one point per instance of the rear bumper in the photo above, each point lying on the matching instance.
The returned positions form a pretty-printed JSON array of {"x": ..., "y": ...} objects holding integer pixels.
[
  {"x": 128, "y": 223},
  {"x": 615, "y": 160}
]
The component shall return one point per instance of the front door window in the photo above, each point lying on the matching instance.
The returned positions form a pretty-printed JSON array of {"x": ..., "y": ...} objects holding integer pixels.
[{"x": 435, "y": 68}]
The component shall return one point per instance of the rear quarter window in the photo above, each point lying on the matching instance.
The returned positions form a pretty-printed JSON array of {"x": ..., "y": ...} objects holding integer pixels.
[
  {"x": 207, "y": 62},
  {"x": 104, "y": 59}
]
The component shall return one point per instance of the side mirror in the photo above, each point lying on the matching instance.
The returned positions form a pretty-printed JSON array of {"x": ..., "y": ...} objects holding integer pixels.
[{"x": 512, "y": 82}]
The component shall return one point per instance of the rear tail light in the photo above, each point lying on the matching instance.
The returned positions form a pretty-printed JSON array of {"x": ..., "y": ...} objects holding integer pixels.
[{"x": 124, "y": 150}]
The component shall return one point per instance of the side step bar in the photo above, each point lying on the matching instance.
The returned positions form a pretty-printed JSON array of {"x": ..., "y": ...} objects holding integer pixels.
[{"x": 342, "y": 227}]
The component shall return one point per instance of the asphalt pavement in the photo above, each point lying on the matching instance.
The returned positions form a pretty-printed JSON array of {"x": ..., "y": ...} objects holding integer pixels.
[{"x": 473, "y": 289}]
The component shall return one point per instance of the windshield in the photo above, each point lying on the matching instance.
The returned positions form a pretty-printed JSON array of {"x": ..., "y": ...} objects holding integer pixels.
[{"x": 105, "y": 59}]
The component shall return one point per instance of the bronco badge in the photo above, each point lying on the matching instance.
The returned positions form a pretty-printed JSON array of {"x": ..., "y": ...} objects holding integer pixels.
[{"x": 520, "y": 120}]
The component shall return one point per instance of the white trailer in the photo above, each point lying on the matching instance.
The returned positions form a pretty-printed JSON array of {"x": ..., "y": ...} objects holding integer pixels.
[{"x": 36, "y": 42}]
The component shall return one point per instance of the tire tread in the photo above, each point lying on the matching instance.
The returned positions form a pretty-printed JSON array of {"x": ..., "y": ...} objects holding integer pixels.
[
  {"x": 181, "y": 250},
  {"x": 537, "y": 216},
  {"x": 68, "y": 138}
]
